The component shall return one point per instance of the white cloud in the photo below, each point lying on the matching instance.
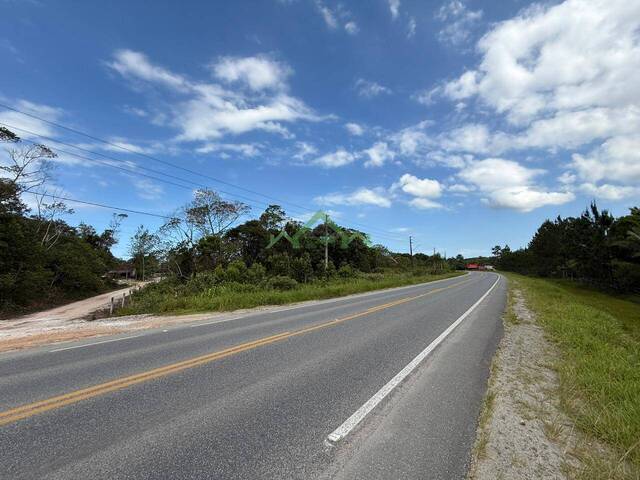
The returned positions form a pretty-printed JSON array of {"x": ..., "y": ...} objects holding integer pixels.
[
  {"x": 610, "y": 192},
  {"x": 339, "y": 158},
  {"x": 426, "y": 97},
  {"x": 463, "y": 87},
  {"x": 394, "y": 8},
  {"x": 37, "y": 127},
  {"x": 460, "y": 188},
  {"x": 424, "y": 203},
  {"x": 351, "y": 28},
  {"x": 327, "y": 15},
  {"x": 423, "y": 188},
  {"x": 508, "y": 184},
  {"x": 378, "y": 155},
  {"x": 361, "y": 196},
  {"x": 369, "y": 89},
  {"x": 459, "y": 22},
  {"x": 495, "y": 173},
  {"x": 304, "y": 150},
  {"x": 259, "y": 73},
  {"x": 148, "y": 190},
  {"x": 411, "y": 27},
  {"x": 245, "y": 149},
  {"x": 136, "y": 66},
  {"x": 526, "y": 199},
  {"x": 207, "y": 111},
  {"x": 338, "y": 17},
  {"x": 617, "y": 159},
  {"x": 565, "y": 77},
  {"x": 354, "y": 129}
]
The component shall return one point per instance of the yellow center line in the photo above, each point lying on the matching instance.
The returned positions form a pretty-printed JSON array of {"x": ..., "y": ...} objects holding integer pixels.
[{"x": 28, "y": 410}]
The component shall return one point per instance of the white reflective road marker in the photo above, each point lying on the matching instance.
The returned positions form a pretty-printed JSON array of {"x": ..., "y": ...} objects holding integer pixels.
[{"x": 350, "y": 423}]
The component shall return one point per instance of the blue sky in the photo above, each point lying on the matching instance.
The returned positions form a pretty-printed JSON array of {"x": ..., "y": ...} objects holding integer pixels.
[{"x": 463, "y": 124}]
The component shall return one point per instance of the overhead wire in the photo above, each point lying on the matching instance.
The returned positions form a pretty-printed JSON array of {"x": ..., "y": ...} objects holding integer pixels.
[{"x": 377, "y": 231}]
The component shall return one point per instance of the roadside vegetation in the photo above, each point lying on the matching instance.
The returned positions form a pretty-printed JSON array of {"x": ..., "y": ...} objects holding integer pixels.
[
  {"x": 209, "y": 293},
  {"x": 207, "y": 259},
  {"x": 43, "y": 260},
  {"x": 598, "y": 336},
  {"x": 594, "y": 249}
]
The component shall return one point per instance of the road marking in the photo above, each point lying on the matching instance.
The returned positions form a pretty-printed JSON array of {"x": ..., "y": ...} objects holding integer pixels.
[
  {"x": 28, "y": 410},
  {"x": 94, "y": 343},
  {"x": 350, "y": 423}
]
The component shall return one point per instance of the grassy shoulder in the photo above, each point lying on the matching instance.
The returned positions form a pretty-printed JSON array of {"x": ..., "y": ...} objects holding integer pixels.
[
  {"x": 170, "y": 297},
  {"x": 599, "y": 368}
]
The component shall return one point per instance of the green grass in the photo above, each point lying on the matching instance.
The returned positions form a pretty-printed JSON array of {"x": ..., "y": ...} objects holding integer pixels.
[
  {"x": 160, "y": 299},
  {"x": 599, "y": 369}
]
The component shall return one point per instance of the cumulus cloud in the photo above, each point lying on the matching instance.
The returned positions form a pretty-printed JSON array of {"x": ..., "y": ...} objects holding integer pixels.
[
  {"x": 207, "y": 111},
  {"x": 423, "y": 191},
  {"x": 378, "y": 155},
  {"x": 361, "y": 196},
  {"x": 564, "y": 76},
  {"x": 419, "y": 187},
  {"x": 339, "y": 158},
  {"x": 258, "y": 72},
  {"x": 354, "y": 129},
  {"x": 370, "y": 89},
  {"x": 507, "y": 184}
]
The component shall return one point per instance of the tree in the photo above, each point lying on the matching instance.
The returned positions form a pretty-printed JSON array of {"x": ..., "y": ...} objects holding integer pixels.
[
  {"x": 211, "y": 215},
  {"x": 28, "y": 167},
  {"x": 142, "y": 248},
  {"x": 206, "y": 215},
  {"x": 273, "y": 218}
]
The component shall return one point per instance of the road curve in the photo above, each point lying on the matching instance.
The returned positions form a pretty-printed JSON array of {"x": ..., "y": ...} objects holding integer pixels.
[{"x": 256, "y": 397}]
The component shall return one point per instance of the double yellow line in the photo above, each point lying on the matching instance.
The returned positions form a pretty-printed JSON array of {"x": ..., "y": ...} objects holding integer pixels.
[{"x": 28, "y": 410}]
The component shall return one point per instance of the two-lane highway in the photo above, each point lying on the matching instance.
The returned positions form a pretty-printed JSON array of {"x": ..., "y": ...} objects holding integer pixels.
[{"x": 257, "y": 396}]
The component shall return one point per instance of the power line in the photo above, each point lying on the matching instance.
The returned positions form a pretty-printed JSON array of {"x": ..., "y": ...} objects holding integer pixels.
[
  {"x": 135, "y": 172},
  {"x": 101, "y": 205},
  {"x": 379, "y": 232}
]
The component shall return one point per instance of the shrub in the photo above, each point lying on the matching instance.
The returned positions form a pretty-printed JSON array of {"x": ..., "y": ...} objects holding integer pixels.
[
  {"x": 346, "y": 271},
  {"x": 280, "y": 282}
]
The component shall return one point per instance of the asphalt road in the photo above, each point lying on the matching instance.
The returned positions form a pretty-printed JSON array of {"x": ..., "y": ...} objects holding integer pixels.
[{"x": 257, "y": 396}]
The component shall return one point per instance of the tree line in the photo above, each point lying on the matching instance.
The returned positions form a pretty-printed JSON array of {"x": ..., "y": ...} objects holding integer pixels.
[
  {"x": 45, "y": 261},
  {"x": 594, "y": 248}
]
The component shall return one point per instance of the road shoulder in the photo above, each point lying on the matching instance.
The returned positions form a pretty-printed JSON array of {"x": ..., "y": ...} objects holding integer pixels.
[{"x": 524, "y": 432}]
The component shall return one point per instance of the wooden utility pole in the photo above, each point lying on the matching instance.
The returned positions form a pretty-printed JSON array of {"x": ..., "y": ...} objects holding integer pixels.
[
  {"x": 326, "y": 244},
  {"x": 411, "y": 250}
]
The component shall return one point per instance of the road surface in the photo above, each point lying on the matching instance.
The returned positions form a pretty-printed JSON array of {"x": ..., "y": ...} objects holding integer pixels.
[{"x": 260, "y": 396}]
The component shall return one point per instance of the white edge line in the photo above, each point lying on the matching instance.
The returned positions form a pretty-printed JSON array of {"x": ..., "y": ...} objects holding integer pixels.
[
  {"x": 94, "y": 343},
  {"x": 350, "y": 423}
]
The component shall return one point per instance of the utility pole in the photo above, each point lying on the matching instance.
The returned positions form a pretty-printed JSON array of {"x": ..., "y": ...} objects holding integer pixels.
[
  {"x": 411, "y": 250},
  {"x": 326, "y": 245}
]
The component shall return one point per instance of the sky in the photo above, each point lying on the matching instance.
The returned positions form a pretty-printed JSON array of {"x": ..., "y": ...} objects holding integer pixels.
[{"x": 463, "y": 124}]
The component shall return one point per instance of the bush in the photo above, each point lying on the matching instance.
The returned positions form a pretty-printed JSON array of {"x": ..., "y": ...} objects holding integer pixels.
[
  {"x": 280, "y": 282},
  {"x": 346, "y": 271}
]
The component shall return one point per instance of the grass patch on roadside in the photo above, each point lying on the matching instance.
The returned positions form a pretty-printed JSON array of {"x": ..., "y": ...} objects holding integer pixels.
[
  {"x": 599, "y": 369},
  {"x": 164, "y": 298}
]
